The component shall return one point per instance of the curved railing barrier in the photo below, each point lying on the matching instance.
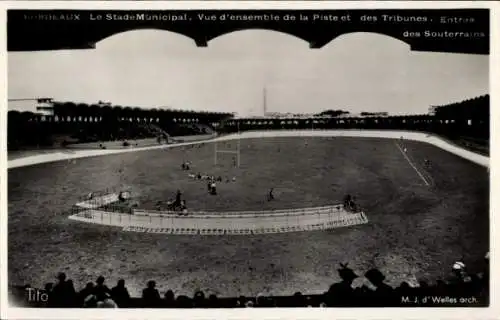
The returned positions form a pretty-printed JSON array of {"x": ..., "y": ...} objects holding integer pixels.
[
  {"x": 241, "y": 214},
  {"x": 212, "y": 223},
  {"x": 409, "y": 135}
]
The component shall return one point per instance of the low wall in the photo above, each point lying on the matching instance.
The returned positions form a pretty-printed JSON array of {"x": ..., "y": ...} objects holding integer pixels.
[
  {"x": 194, "y": 138},
  {"x": 136, "y": 143},
  {"x": 322, "y": 218},
  {"x": 118, "y": 144},
  {"x": 417, "y": 136}
]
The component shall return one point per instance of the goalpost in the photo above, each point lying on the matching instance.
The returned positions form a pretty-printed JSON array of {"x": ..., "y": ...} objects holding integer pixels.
[{"x": 236, "y": 152}]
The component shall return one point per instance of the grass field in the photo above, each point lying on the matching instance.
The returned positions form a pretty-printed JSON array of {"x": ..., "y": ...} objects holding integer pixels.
[{"x": 419, "y": 223}]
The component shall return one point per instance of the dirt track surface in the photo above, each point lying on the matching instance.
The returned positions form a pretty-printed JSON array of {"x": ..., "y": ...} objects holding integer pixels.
[{"x": 415, "y": 230}]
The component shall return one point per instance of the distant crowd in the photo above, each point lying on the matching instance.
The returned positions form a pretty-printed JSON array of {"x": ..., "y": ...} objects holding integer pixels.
[{"x": 463, "y": 288}]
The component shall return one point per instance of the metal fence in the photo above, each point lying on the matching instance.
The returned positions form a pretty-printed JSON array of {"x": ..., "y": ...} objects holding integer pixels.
[
  {"x": 256, "y": 222},
  {"x": 243, "y": 214}
]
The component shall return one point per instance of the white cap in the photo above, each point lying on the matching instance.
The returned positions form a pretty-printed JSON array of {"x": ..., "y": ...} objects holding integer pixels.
[
  {"x": 487, "y": 256},
  {"x": 458, "y": 265}
]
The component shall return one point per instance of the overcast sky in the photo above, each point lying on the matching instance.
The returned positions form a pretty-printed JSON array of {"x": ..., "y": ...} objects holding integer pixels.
[{"x": 356, "y": 72}]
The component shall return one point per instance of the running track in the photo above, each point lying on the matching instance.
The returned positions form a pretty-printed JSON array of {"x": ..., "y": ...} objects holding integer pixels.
[{"x": 408, "y": 135}]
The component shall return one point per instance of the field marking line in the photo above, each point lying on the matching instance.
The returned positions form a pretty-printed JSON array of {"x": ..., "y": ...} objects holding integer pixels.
[{"x": 411, "y": 164}]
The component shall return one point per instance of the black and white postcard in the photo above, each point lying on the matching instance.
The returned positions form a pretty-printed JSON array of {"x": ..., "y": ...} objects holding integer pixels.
[{"x": 248, "y": 158}]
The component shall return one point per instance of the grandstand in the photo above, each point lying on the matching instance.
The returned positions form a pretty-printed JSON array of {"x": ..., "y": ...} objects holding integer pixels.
[
  {"x": 466, "y": 123},
  {"x": 72, "y": 123}
]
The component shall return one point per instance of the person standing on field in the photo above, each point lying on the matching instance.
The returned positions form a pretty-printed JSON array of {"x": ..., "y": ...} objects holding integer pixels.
[{"x": 270, "y": 196}]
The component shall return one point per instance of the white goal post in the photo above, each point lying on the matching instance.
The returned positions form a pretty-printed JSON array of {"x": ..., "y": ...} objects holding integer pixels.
[{"x": 236, "y": 152}]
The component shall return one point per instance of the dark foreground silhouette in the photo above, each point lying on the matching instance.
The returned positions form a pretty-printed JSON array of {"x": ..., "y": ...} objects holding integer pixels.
[{"x": 461, "y": 289}]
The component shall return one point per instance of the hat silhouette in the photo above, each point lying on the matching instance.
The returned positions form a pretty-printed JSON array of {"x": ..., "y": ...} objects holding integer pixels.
[
  {"x": 61, "y": 276},
  {"x": 347, "y": 274},
  {"x": 375, "y": 276}
]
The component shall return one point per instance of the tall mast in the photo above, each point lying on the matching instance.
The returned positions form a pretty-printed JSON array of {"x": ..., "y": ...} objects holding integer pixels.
[{"x": 264, "y": 101}]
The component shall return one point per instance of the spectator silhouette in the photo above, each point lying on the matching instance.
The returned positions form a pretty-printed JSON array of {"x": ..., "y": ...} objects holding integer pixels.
[
  {"x": 262, "y": 301},
  {"x": 342, "y": 293},
  {"x": 58, "y": 298},
  {"x": 361, "y": 293},
  {"x": 423, "y": 288},
  {"x": 48, "y": 288},
  {"x": 383, "y": 293},
  {"x": 169, "y": 299},
  {"x": 71, "y": 296},
  {"x": 309, "y": 302},
  {"x": 184, "y": 302},
  {"x": 298, "y": 300},
  {"x": 150, "y": 295},
  {"x": 101, "y": 291},
  {"x": 85, "y": 292},
  {"x": 441, "y": 288},
  {"x": 199, "y": 299},
  {"x": 213, "y": 301},
  {"x": 404, "y": 290},
  {"x": 473, "y": 287},
  {"x": 241, "y": 302},
  {"x": 458, "y": 279},
  {"x": 120, "y": 294},
  {"x": 463, "y": 284}
]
